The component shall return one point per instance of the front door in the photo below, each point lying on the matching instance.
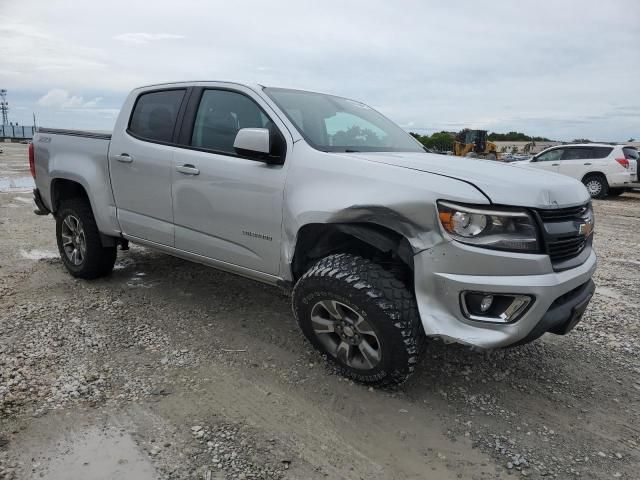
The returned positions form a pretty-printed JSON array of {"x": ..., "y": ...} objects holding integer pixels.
[
  {"x": 549, "y": 161},
  {"x": 141, "y": 167},
  {"x": 225, "y": 207}
]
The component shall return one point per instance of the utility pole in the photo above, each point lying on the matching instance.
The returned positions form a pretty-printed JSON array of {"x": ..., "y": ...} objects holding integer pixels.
[{"x": 4, "y": 107}]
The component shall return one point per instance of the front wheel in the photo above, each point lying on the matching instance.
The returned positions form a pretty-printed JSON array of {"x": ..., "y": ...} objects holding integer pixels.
[
  {"x": 79, "y": 241},
  {"x": 361, "y": 317}
]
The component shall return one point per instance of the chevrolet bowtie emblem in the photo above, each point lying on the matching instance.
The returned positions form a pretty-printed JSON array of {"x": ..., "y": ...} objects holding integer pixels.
[{"x": 586, "y": 229}]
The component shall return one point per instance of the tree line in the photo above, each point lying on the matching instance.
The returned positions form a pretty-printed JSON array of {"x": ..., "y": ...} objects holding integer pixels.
[{"x": 443, "y": 141}]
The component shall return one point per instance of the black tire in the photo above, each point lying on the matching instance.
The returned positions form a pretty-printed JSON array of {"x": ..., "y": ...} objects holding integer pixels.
[
  {"x": 97, "y": 261},
  {"x": 597, "y": 185},
  {"x": 616, "y": 192},
  {"x": 375, "y": 294}
]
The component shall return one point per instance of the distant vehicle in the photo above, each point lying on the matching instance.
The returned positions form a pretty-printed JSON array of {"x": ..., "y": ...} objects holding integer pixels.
[
  {"x": 632, "y": 154},
  {"x": 474, "y": 143},
  {"x": 379, "y": 241},
  {"x": 603, "y": 169}
]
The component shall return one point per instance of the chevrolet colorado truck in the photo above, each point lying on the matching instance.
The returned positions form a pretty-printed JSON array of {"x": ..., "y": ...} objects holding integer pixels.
[{"x": 381, "y": 244}]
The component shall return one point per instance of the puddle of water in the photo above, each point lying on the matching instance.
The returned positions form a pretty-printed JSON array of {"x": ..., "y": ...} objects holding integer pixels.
[
  {"x": 16, "y": 184},
  {"x": 138, "y": 282},
  {"x": 38, "y": 254},
  {"x": 93, "y": 454}
]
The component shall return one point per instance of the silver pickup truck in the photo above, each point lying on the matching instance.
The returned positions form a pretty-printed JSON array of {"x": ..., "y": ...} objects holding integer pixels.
[{"x": 381, "y": 243}]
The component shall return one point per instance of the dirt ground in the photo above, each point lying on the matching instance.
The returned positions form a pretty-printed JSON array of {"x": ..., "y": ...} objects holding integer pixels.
[{"x": 168, "y": 369}]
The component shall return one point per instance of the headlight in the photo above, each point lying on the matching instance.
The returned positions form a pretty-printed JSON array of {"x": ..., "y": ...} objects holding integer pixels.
[{"x": 512, "y": 230}]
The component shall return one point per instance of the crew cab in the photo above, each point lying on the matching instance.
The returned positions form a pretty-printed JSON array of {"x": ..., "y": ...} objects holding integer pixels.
[
  {"x": 381, "y": 244},
  {"x": 604, "y": 169}
]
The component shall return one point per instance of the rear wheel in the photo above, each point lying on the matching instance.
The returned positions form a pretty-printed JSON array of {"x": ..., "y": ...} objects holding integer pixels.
[
  {"x": 361, "y": 317},
  {"x": 597, "y": 185},
  {"x": 79, "y": 241}
]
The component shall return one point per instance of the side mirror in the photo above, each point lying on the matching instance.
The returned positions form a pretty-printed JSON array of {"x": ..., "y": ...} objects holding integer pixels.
[
  {"x": 259, "y": 144},
  {"x": 252, "y": 141}
]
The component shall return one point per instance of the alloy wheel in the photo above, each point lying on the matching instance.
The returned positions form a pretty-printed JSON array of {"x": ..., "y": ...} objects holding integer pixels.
[
  {"x": 346, "y": 334},
  {"x": 74, "y": 241}
]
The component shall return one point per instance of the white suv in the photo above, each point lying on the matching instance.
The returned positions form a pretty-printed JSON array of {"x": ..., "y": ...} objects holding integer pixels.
[{"x": 604, "y": 169}]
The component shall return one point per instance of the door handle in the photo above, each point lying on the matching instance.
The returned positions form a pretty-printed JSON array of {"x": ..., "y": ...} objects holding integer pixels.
[
  {"x": 188, "y": 169},
  {"x": 587, "y": 163},
  {"x": 555, "y": 164},
  {"x": 124, "y": 158}
]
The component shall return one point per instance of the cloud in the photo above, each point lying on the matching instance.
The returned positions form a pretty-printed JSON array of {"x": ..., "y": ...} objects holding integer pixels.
[
  {"x": 141, "y": 38},
  {"x": 59, "y": 98},
  {"x": 507, "y": 66}
]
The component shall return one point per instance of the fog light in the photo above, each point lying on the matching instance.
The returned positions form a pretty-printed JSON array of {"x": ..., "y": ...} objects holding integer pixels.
[
  {"x": 486, "y": 302},
  {"x": 494, "y": 308}
]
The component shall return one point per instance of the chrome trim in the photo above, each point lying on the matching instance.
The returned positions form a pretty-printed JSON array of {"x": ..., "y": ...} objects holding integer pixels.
[
  {"x": 513, "y": 316},
  {"x": 479, "y": 211}
]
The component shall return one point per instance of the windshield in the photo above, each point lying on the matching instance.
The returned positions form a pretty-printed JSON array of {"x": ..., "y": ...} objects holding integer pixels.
[{"x": 335, "y": 124}]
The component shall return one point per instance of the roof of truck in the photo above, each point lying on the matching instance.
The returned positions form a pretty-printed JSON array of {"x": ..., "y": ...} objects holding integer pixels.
[{"x": 193, "y": 82}]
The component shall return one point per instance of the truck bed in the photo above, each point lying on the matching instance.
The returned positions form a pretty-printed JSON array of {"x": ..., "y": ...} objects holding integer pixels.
[{"x": 80, "y": 157}]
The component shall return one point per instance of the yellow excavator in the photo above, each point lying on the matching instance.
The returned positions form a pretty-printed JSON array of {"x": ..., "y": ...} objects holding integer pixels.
[{"x": 474, "y": 143}]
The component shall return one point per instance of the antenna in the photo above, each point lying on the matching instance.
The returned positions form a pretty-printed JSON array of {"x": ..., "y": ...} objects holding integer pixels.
[{"x": 4, "y": 107}]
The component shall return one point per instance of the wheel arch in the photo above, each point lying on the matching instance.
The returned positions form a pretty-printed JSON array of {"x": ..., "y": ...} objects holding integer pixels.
[
  {"x": 594, "y": 173},
  {"x": 65, "y": 189},
  {"x": 317, "y": 240}
]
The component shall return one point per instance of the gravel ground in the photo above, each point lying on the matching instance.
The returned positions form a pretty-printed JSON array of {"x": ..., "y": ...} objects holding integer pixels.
[{"x": 168, "y": 369}]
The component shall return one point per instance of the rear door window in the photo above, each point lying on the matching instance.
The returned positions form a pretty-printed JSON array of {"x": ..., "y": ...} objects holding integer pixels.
[
  {"x": 577, "y": 153},
  {"x": 601, "y": 152},
  {"x": 154, "y": 115}
]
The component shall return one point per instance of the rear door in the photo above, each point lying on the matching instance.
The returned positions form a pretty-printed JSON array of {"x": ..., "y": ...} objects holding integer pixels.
[
  {"x": 549, "y": 160},
  {"x": 141, "y": 166},
  {"x": 226, "y": 207},
  {"x": 579, "y": 161},
  {"x": 576, "y": 162}
]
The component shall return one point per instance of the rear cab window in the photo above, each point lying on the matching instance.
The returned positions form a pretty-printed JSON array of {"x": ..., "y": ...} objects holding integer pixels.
[{"x": 154, "y": 115}]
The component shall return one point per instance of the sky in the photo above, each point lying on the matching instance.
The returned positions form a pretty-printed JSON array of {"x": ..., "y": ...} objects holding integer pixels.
[{"x": 555, "y": 68}]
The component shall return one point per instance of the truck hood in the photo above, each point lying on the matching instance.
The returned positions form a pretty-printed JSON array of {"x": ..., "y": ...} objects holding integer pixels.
[{"x": 502, "y": 183}]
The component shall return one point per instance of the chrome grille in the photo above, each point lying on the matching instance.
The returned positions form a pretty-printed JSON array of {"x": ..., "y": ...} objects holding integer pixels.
[
  {"x": 563, "y": 214},
  {"x": 561, "y": 229},
  {"x": 566, "y": 248}
]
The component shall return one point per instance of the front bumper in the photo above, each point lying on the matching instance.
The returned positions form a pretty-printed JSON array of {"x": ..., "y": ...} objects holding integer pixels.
[{"x": 438, "y": 293}]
